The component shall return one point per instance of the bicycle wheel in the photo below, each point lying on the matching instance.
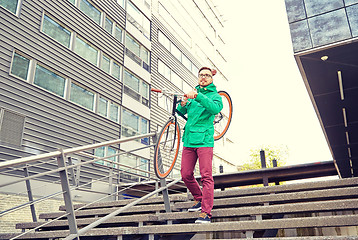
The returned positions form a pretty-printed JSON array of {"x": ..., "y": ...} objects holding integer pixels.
[
  {"x": 223, "y": 119},
  {"x": 167, "y": 149}
]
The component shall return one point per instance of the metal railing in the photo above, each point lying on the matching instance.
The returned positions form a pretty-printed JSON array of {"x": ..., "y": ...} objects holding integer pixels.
[{"x": 70, "y": 181}]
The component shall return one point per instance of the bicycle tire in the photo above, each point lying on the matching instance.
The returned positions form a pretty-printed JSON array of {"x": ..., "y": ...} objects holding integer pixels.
[
  {"x": 221, "y": 126},
  {"x": 166, "y": 149}
]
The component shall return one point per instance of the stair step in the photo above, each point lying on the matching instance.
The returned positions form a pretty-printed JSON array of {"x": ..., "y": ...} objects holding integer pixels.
[
  {"x": 306, "y": 238},
  {"x": 348, "y": 192},
  {"x": 105, "y": 211},
  {"x": 309, "y": 186},
  {"x": 303, "y": 222},
  {"x": 119, "y": 203},
  {"x": 337, "y": 205},
  {"x": 305, "y": 186},
  {"x": 322, "y": 206},
  {"x": 302, "y": 196}
]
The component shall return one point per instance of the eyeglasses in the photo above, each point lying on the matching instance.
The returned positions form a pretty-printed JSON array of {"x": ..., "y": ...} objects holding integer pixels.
[{"x": 205, "y": 76}]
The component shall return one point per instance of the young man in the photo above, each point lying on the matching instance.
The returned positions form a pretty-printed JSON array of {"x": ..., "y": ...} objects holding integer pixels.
[{"x": 201, "y": 105}]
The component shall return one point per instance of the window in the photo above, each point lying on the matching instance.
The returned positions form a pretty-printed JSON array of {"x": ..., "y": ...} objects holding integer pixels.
[
  {"x": 170, "y": 75},
  {"x": 82, "y": 96},
  {"x": 56, "y": 31},
  {"x": 144, "y": 55},
  {"x": 116, "y": 70},
  {"x": 144, "y": 90},
  {"x": 111, "y": 67},
  {"x": 136, "y": 88},
  {"x": 186, "y": 62},
  {"x": 112, "y": 151},
  {"x": 133, "y": 163},
  {"x": 114, "y": 112},
  {"x": 187, "y": 87},
  {"x": 174, "y": 24},
  {"x": 20, "y": 66},
  {"x": 105, "y": 64},
  {"x": 108, "y": 25},
  {"x": 132, "y": 45},
  {"x": 143, "y": 130},
  {"x": 165, "y": 103},
  {"x": 139, "y": 51},
  {"x": 118, "y": 34},
  {"x": 177, "y": 80},
  {"x": 194, "y": 69},
  {"x": 86, "y": 51},
  {"x": 90, "y": 11},
  {"x": 133, "y": 125},
  {"x": 164, "y": 69},
  {"x": 177, "y": 53},
  {"x": 131, "y": 121},
  {"x": 10, "y": 5},
  {"x": 55, "y": 83},
  {"x": 108, "y": 109},
  {"x": 102, "y": 106},
  {"x": 144, "y": 166},
  {"x": 49, "y": 80},
  {"x": 121, "y": 3},
  {"x": 106, "y": 151},
  {"x": 100, "y": 152},
  {"x": 164, "y": 40},
  {"x": 130, "y": 161},
  {"x": 131, "y": 81},
  {"x": 139, "y": 20}
]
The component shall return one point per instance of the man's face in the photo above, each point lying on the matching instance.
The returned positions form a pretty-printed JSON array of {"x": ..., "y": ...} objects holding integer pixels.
[{"x": 205, "y": 77}]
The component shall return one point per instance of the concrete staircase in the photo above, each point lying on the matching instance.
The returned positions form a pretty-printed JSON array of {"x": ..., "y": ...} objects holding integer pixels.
[{"x": 303, "y": 209}]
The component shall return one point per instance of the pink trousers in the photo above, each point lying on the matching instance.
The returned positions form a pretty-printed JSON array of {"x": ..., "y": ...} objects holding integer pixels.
[{"x": 188, "y": 161}]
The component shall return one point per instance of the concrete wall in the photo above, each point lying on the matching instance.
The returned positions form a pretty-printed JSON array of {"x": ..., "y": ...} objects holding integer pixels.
[{"x": 8, "y": 221}]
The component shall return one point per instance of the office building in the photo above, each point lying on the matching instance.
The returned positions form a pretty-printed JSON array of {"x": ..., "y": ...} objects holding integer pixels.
[{"x": 78, "y": 72}]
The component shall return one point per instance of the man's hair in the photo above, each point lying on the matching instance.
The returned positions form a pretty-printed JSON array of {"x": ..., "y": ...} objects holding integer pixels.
[{"x": 213, "y": 71}]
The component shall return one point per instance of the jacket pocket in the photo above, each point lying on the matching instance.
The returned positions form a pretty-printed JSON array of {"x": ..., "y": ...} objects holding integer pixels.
[{"x": 197, "y": 135}]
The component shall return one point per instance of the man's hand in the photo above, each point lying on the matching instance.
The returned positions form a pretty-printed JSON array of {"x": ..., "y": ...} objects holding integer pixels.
[
  {"x": 192, "y": 94},
  {"x": 184, "y": 101}
]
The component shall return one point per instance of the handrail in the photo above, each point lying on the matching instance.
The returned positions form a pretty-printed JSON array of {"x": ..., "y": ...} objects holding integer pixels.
[
  {"x": 62, "y": 168},
  {"x": 57, "y": 153},
  {"x": 73, "y": 166},
  {"x": 116, "y": 212}
]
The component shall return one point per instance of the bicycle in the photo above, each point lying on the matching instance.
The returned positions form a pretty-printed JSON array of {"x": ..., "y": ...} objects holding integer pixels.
[{"x": 167, "y": 146}]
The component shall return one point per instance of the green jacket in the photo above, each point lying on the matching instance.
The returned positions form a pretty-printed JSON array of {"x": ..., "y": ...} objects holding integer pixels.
[{"x": 201, "y": 111}]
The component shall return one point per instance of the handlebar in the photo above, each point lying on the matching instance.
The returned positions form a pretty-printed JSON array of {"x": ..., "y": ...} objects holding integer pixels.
[
  {"x": 156, "y": 90},
  {"x": 164, "y": 91}
]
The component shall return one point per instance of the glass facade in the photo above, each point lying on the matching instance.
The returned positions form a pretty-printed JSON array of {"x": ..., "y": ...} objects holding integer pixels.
[{"x": 315, "y": 23}]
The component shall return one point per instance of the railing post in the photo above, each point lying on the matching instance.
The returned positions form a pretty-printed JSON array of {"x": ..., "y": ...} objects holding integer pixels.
[
  {"x": 72, "y": 172},
  {"x": 29, "y": 194},
  {"x": 274, "y": 164},
  {"x": 163, "y": 183},
  {"x": 263, "y": 165},
  {"x": 67, "y": 194},
  {"x": 110, "y": 180}
]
